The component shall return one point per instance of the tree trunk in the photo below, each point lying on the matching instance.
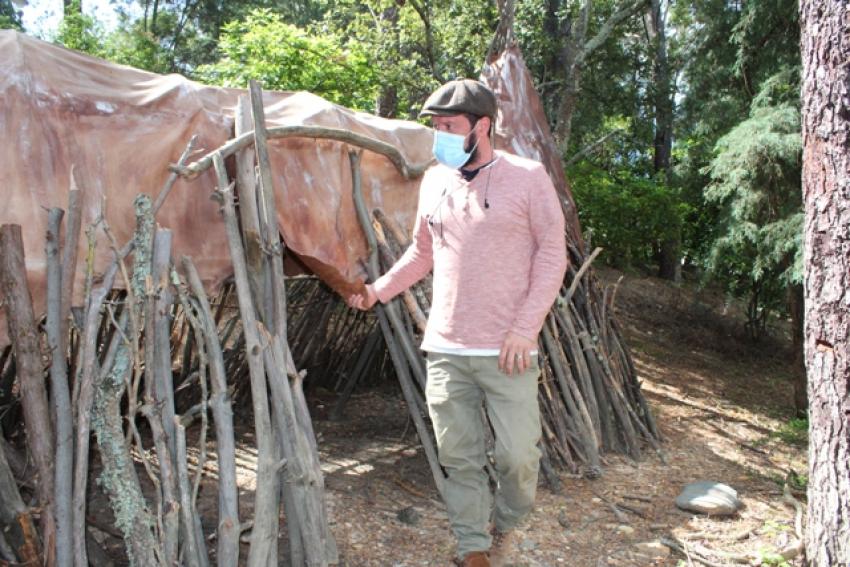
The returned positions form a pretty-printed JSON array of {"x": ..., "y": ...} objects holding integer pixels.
[
  {"x": 576, "y": 49},
  {"x": 388, "y": 94},
  {"x": 825, "y": 47},
  {"x": 668, "y": 258},
  {"x": 798, "y": 362}
]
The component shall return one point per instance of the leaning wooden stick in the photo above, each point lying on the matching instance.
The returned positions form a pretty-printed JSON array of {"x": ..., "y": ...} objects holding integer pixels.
[
  {"x": 266, "y": 495},
  {"x": 395, "y": 351},
  {"x": 15, "y": 518},
  {"x": 228, "y": 494},
  {"x": 408, "y": 171},
  {"x": 308, "y": 489},
  {"x": 61, "y": 395},
  {"x": 24, "y": 334}
]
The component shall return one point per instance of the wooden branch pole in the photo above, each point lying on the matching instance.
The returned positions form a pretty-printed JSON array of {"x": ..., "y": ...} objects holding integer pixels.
[
  {"x": 194, "y": 553},
  {"x": 227, "y": 553},
  {"x": 319, "y": 545},
  {"x": 155, "y": 408},
  {"x": 61, "y": 398},
  {"x": 161, "y": 326},
  {"x": 119, "y": 478},
  {"x": 401, "y": 365},
  {"x": 89, "y": 369},
  {"x": 266, "y": 495},
  {"x": 246, "y": 186},
  {"x": 407, "y": 170},
  {"x": 24, "y": 334},
  {"x": 73, "y": 225},
  {"x": 16, "y": 522}
]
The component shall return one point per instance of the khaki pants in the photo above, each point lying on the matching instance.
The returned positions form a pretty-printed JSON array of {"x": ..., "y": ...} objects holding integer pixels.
[{"x": 456, "y": 387}]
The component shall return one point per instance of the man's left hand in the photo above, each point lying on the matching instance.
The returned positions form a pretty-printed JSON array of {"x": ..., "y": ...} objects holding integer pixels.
[{"x": 516, "y": 353}]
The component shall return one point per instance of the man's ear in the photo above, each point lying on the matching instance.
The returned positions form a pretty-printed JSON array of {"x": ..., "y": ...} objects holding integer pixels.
[{"x": 482, "y": 127}]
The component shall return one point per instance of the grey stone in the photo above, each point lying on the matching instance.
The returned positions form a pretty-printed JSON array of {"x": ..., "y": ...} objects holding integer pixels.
[
  {"x": 528, "y": 545},
  {"x": 653, "y": 548},
  {"x": 707, "y": 497},
  {"x": 409, "y": 516}
]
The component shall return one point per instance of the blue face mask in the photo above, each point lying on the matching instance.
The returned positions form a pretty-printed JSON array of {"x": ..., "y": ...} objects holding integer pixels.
[{"x": 448, "y": 149}]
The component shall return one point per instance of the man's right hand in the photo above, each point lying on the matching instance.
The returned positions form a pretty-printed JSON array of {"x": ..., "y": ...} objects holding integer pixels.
[{"x": 361, "y": 301}]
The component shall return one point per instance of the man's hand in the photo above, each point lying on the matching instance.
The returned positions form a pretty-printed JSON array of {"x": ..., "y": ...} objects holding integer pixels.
[
  {"x": 362, "y": 302},
  {"x": 516, "y": 353}
]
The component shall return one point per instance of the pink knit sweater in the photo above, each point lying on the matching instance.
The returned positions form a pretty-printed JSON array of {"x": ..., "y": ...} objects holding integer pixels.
[{"x": 496, "y": 269}]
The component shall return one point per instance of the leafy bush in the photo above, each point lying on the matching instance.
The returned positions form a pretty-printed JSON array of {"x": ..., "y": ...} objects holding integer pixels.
[
  {"x": 627, "y": 214},
  {"x": 80, "y": 32},
  {"x": 794, "y": 431},
  {"x": 284, "y": 57},
  {"x": 10, "y": 18},
  {"x": 755, "y": 183}
]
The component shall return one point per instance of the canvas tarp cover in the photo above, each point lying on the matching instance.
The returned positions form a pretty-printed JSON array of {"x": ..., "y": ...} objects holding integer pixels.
[{"x": 121, "y": 127}]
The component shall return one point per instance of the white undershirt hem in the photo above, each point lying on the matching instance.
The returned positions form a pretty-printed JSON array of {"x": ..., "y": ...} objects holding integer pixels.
[{"x": 459, "y": 351}]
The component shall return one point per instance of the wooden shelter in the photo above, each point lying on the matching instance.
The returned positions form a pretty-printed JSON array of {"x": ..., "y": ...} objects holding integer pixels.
[{"x": 266, "y": 185}]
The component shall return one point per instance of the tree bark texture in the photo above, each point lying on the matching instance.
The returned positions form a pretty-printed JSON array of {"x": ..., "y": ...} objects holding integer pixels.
[
  {"x": 119, "y": 478},
  {"x": 662, "y": 89},
  {"x": 61, "y": 395},
  {"x": 825, "y": 46},
  {"x": 228, "y": 494},
  {"x": 24, "y": 334},
  {"x": 15, "y": 520},
  {"x": 266, "y": 507}
]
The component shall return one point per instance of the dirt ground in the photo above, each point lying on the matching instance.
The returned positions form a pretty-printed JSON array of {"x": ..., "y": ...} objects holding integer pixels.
[{"x": 721, "y": 403}]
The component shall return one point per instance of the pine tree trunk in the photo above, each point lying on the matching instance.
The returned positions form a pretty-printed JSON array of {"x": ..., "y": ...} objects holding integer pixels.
[
  {"x": 825, "y": 47},
  {"x": 798, "y": 361},
  {"x": 668, "y": 257}
]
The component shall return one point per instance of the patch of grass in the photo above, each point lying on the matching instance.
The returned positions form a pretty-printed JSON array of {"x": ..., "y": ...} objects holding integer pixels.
[
  {"x": 773, "y": 528},
  {"x": 794, "y": 432},
  {"x": 767, "y": 556}
]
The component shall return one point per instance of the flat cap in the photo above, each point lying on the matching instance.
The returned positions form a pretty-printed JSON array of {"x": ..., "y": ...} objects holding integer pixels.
[{"x": 461, "y": 96}]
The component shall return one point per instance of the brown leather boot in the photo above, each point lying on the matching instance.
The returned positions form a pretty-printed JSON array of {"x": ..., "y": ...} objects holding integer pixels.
[
  {"x": 502, "y": 549},
  {"x": 474, "y": 559}
]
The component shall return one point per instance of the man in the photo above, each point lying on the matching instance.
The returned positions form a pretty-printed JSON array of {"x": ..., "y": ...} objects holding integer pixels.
[{"x": 490, "y": 226}]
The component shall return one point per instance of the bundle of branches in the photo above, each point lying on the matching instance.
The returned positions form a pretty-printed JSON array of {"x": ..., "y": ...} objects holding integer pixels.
[{"x": 118, "y": 382}]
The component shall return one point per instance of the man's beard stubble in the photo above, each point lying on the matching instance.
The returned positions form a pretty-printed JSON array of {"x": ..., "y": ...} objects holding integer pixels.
[{"x": 473, "y": 145}]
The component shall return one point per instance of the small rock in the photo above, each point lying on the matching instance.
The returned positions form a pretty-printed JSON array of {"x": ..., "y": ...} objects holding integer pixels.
[
  {"x": 527, "y": 545},
  {"x": 563, "y": 520},
  {"x": 409, "y": 516},
  {"x": 625, "y": 530},
  {"x": 653, "y": 548},
  {"x": 356, "y": 536},
  {"x": 712, "y": 498}
]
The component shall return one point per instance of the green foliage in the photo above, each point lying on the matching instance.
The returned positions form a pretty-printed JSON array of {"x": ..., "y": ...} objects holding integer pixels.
[
  {"x": 627, "y": 214},
  {"x": 794, "y": 432},
  {"x": 733, "y": 58},
  {"x": 80, "y": 32},
  {"x": 755, "y": 182},
  {"x": 414, "y": 46},
  {"x": 132, "y": 45},
  {"x": 10, "y": 18},
  {"x": 755, "y": 178},
  {"x": 129, "y": 44},
  {"x": 285, "y": 57},
  {"x": 768, "y": 556}
]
